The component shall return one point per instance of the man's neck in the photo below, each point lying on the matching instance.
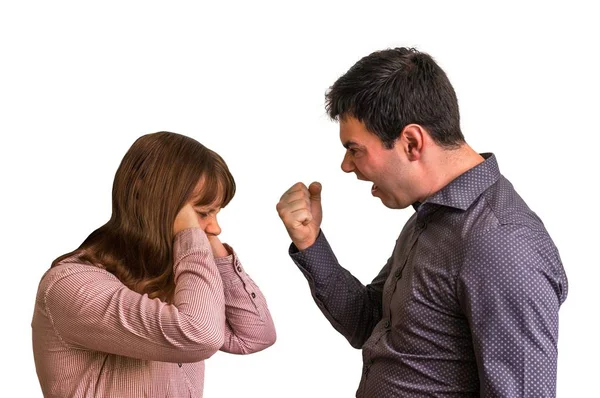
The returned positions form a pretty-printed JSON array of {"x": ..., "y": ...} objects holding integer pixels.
[{"x": 448, "y": 164}]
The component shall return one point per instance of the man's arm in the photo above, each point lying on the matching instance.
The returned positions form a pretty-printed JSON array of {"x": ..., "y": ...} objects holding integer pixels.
[
  {"x": 510, "y": 288},
  {"x": 352, "y": 308}
]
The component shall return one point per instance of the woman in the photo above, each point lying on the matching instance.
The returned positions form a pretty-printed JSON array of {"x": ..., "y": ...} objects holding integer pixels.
[{"x": 146, "y": 298}]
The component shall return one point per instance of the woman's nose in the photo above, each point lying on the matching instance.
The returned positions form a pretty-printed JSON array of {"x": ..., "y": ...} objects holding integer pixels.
[{"x": 213, "y": 227}]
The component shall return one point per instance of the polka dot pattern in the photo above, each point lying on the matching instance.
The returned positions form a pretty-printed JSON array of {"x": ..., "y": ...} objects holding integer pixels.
[{"x": 467, "y": 305}]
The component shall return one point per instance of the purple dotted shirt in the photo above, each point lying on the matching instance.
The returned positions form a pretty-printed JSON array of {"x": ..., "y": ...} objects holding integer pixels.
[{"x": 467, "y": 305}]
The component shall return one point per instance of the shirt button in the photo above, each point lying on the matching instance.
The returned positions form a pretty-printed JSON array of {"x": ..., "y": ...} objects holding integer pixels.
[
  {"x": 398, "y": 273},
  {"x": 253, "y": 295},
  {"x": 387, "y": 324},
  {"x": 179, "y": 364},
  {"x": 239, "y": 268}
]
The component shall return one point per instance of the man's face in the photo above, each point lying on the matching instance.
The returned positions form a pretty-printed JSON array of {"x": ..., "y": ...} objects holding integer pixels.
[{"x": 388, "y": 169}]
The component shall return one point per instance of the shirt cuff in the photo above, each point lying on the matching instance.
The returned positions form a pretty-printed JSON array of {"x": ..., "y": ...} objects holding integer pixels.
[
  {"x": 318, "y": 256},
  {"x": 229, "y": 267},
  {"x": 293, "y": 249}
]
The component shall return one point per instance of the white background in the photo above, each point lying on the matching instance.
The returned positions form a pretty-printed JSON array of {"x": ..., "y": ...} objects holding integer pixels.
[{"x": 79, "y": 82}]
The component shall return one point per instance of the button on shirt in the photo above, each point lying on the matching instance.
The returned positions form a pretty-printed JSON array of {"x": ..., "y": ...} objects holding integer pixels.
[{"x": 467, "y": 305}]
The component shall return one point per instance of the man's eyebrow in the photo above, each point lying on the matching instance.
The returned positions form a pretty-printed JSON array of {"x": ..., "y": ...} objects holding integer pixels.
[{"x": 348, "y": 144}]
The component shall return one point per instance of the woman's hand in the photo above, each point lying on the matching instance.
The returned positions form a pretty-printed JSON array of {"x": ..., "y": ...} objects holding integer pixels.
[
  {"x": 218, "y": 249},
  {"x": 186, "y": 218}
]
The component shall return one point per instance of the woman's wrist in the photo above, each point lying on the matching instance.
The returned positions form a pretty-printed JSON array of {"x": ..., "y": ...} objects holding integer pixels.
[{"x": 218, "y": 249}]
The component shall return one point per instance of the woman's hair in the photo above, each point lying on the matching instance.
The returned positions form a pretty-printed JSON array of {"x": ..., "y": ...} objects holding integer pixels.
[{"x": 156, "y": 178}]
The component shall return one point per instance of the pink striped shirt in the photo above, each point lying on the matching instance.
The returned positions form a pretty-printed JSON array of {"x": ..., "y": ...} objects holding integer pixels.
[{"x": 94, "y": 337}]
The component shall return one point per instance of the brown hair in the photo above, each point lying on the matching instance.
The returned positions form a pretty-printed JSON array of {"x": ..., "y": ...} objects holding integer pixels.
[{"x": 155, "y": 179}]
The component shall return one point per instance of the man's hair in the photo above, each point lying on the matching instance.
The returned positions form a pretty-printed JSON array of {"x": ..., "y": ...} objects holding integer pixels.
[{"x": 390, "y": 89}]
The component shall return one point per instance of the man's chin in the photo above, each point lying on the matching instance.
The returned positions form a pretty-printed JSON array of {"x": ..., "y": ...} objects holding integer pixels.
[
  {"x": 392, "y": 204},
  {"x": 387, "y": 201}
]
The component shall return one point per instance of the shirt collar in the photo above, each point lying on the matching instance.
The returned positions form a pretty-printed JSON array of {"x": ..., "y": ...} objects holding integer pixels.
[{"x": 461, "y": 192}]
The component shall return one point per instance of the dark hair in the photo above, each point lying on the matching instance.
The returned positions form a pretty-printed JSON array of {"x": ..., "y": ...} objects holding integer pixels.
[
  {"x": 389, "y": 89},
  {"x": 156, "y": 178}
]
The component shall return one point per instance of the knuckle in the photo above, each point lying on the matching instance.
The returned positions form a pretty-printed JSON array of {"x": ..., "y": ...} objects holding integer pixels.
[{"x": 282, "y": 213}]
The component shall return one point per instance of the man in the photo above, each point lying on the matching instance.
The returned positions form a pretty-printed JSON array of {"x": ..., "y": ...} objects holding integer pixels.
[{"x": 467, "y": 304}]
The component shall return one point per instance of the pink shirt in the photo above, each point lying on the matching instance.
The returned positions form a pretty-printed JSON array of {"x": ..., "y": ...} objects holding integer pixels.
[{"x": 94, "y": 337}]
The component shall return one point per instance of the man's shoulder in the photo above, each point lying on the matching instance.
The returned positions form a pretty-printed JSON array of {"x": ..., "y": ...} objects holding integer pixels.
[
  {"x": 502, "y": 222},
  {"x": 509, "y": 208}
]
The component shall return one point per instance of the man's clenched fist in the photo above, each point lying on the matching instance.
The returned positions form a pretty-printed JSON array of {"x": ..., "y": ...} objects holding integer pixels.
[{"x": 300, "y": 210}]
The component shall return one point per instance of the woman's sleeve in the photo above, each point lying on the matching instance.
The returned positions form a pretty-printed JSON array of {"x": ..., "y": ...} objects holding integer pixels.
[
  {"x": 249, "y": 326},
  {"x": 91, "y": 309}
]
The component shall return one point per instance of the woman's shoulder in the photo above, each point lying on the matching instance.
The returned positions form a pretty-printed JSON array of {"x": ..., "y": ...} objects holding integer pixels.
[{"x": 72, "y": 267}]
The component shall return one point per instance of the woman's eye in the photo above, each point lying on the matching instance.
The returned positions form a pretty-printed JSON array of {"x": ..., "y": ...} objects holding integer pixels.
[{"x": 203, "y": 215}]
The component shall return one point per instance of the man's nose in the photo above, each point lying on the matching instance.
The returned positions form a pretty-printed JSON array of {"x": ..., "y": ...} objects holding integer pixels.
[{"x": 347, "y": 164}]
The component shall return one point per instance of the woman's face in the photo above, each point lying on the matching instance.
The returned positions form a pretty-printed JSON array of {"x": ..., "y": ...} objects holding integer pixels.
[
  {"x": 207, "y": 217},
  {"x": 207, "y": 214}
]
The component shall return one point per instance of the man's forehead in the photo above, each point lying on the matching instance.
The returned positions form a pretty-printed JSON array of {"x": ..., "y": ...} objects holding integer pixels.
[
  {"x": 353, "y": 132},
  {"x": 348, "y": 128}
]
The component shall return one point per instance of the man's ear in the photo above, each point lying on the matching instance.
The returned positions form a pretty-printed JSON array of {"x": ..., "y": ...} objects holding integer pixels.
[{"x": 411, "y": 141}]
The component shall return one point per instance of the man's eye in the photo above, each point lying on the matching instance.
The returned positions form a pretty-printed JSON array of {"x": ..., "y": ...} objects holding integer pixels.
[{"x": 353, "y": 152}]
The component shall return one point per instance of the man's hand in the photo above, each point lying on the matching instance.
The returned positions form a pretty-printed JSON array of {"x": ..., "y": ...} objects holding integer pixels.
[{"x": 300, "y": 210}]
